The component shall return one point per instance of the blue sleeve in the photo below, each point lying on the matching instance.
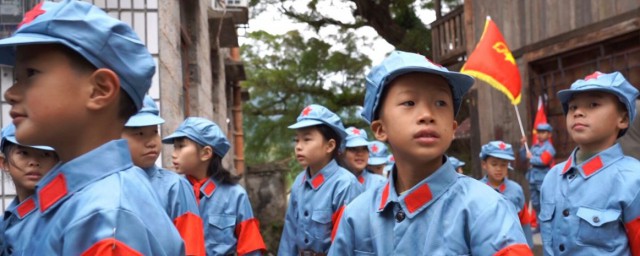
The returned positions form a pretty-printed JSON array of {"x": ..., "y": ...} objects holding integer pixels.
[
  {"x": 288, "y": 239},
  {"x": 344, "y": 239},
  {"x": 497, "y": 229},
  {"x": 182, "y": 199}
]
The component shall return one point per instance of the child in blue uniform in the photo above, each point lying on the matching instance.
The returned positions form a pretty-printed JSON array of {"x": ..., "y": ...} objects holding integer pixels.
[
  {"x": 26, "y": 165},
  {"x": 591, "y": 202},
  {"x": 174, "y": 191},
  {"x": 541, "y": 160},
  {"x": 496, "y": 157},
  {"x": 80, "y": 75},
  {"x": 426, "y": 208},
  {"x": 320, "y": 192},
  {"x": 356, "y": 157},
  {"x": 378, "y": 157},
  {"x": 457, "y": 164},
  {"x": 387, "y": 168},
  {"x": 229, "y": 226}
]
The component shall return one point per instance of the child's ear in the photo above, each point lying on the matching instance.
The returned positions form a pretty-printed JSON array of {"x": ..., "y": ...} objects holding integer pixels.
[
  {"x": 454, "y": 127},
  {"x": 331, "y": 145},
  {"x": 206, "y": 154},
  {"x": 624, "y": 121},
  {"x": 105, "y": 88},
  {"x": 3, "y": 165},
  {"x": 379, "y": 131}
]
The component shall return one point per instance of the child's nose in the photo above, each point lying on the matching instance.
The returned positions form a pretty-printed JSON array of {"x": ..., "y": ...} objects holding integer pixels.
[
  {"x": 34, "y": 164},
  {"x": 425, "y": 116},
  {"x": 11, "y": 95}
]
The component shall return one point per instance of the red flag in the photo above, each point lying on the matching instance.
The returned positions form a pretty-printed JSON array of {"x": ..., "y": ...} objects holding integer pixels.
[
  {"x": 493, "y": 63},
  {"x": 541, "y": 118}
]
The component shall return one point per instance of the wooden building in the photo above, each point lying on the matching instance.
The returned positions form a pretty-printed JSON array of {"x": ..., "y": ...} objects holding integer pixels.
[{"x": 554, "y": 43}]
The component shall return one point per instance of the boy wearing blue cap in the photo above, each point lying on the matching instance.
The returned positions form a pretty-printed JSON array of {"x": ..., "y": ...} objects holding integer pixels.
[
  {"x": 590, "y": 204},
  {"x": 425, "y": 207},
  {"x": 457, "y": 164},
  {"x": 229, "y": 226},
  {"x": 378, "y": 157},
  {"x": 80, "y": 74},
  {"x": 387, "y": 168},
  {"x": 174, "y": 191},
  {"x": 496, "y": 157},
  {"x": 356, "y": 157},
  {"x": 320, "y": 192},
  {"x": 26, "y": 165},
  {"x": 541, "y": 160}
]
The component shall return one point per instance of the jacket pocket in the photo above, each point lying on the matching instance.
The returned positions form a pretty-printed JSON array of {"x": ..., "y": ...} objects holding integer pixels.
[
  {"x": 546, "y": 221},
  {"x": 221, "y": 229},
  {"x": 321, "y": 224},
  {"x": 599, "y": 227}
]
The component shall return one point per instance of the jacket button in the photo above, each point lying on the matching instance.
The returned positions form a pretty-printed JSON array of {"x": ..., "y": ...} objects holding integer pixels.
[
  {"x": 596, "y": 219},
  {"x": 306, "y": 213},
  {"x": 306, "y": 241},
  {"x": 561, "y": 247},
  {"x": 400, "y": 216},
  {"x": 565, "y": 212}
]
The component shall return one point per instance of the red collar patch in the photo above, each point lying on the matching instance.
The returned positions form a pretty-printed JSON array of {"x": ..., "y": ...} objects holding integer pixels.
[
  {"x": 566, "y": 166},
  {"x": 208, "y": 190},
  {"x": 32, "y": 14},
  {"x": 385, "y": 196},
  {"x": 317, "y": 181},
  {"x": 26, "y": 207},
  {"x": 361, "y": 179},
  {"x": 52, "y": 192},
  {"x": 592, "y": 166},
  {"x": 418, "y": 198}
]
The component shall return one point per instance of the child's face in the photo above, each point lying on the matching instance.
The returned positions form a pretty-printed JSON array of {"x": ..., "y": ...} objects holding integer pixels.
[
  {"x": 377, "y": 169},
  {"x": 47, "y": 98},
  {"x": 417, "y": 118},
  {"x": 356, "y": 158},
  {"x": 186, "y": 157},
  {"x": 144, "y": 144},
  {"x": 27, "y": 166},
  {"x": 594, "y": 119},
  {"x": 543, "y": 135},
  {"x": 496, "y": 168},
  {"x": 312, "y": 149}
]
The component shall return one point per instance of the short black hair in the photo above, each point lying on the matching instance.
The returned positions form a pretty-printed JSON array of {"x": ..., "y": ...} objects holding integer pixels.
[
  {"x": 126, "y": 107},
  {"x": 215, "y": 168},
  {"x": 330, "y": 134}
]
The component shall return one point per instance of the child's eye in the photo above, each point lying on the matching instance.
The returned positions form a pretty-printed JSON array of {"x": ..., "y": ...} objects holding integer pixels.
[
  {"x": 32, "y": 72},
  {"x": 140, "y": 133},
  {"x": 441, "y": 103},
  {"x": 594, "y": 104},
  {"x": 295, "y": 140},
  {"x": 573, "y": 107},
  {"x": 408, "y": 103}
]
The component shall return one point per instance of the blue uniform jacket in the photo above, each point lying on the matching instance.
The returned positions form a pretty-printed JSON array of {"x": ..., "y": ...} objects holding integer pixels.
[
  {"x": 592, "y": 208},
  {"x": 100, "y": 203},
  {"x": 18, "y": 225},
  {"x": 445, "y": 214},
  {"x": 512, "y": 191},
  {"x": 177, "y": 198},
  {"x": 541, "y": 161},
  {"x": 229, "y": 223},
  {"x": 371, "y": 180},
  {"x": 315, "y": 205}
]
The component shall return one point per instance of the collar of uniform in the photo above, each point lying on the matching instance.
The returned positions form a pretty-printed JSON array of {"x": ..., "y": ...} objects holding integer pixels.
[
  {"x": 209, "y": 187},
  {"x": 500, "y": 188},
  {"x": 151, "y": 171},
  {"x": 594, "y": 164},
  {"x": 420, "y": 196},
  {"x": 11, "y": 209},
  {"x": 66, "y": 178},
  {"x": 324, "y": 174},
  {"x": 363, "y": 176}
]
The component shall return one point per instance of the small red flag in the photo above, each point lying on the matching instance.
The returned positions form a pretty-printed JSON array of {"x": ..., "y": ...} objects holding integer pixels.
[{"x": 493, "y": 63}]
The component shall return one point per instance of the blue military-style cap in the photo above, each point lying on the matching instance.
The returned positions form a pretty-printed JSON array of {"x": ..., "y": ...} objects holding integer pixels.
[
  {"x": 203, "y": 132},
  {"x": 356, "y": 138},
  {"x": 9, "y": 135},
  {"x": 497, "y": 149},
  {"x": 544, "y": 127},
  {"x": 102, "y": 40},
  {"x": 455, "y": 162},
  {"x": 377, "y": 153},
  {"x": 147, "y": 116},
  {"x": 314, "y": 114},
  {"x": 399, "y": 63},
  {"x": 613, "y": 83}
]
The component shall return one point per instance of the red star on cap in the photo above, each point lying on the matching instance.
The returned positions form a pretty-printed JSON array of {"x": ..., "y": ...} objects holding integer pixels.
[
  {"x": 356, "y": 131},
  {"x": 392, "y": 158},
  {"x": 502, "y": 146},
  {"x": 595, "y": 75},
  {"x": 306, "y": 111},
  {"x": 32, "y": 14},
  {"x": 374, "y": 148}
]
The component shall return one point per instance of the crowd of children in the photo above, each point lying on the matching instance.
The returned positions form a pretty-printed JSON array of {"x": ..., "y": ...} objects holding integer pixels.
[{"x": 95, "y": 189}]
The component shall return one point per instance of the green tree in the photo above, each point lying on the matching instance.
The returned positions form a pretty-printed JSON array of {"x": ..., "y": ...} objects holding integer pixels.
[{"x": 286, "y": 73}]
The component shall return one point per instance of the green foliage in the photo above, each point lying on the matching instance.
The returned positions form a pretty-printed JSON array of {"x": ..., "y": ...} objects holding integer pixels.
[{"x": 286, "y": 73}]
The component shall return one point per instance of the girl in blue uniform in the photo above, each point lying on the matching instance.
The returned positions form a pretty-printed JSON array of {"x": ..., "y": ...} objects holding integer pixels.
[
  {"x": 496, "y": 157},
  {"x": 356, "y": 157},
  {"x": 26, "y": 165},
  {"x": 229, "y": 226},
  {"x": 321, "y": 191},
  {"x": 378, "y": 157}
]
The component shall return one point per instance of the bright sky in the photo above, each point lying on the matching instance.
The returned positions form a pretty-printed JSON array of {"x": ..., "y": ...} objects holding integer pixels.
[{"x": 273, "y": 22}]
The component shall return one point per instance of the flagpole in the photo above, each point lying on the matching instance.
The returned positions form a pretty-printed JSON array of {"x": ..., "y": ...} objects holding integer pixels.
[{"x": 526, "y": 145}]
